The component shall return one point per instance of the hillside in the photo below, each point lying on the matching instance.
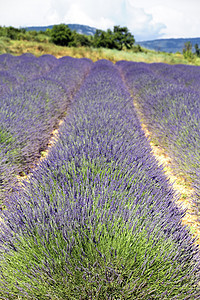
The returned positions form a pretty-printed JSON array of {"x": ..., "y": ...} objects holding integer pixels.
[
  {"x": 40, "y": 44},
  {"x": 83, "y": 29},
  {"x": 40, "y": 48},
  {"x": 169, "y": 45}
]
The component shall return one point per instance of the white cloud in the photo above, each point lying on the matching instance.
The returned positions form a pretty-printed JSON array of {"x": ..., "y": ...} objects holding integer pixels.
[
  {"x": 145, "y": 19},
  {"x": 105, "y": 14},
  {"x": 75, "y": 14},
  {"x": 99, "y": 14},
  {"x": 23, "y": 12},
  {"x": 181, "y": 16},
  {"x": 140, "y": 23}
]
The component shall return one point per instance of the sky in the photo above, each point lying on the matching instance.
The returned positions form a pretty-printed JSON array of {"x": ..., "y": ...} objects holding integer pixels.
[{"x": 145, "y": 19}]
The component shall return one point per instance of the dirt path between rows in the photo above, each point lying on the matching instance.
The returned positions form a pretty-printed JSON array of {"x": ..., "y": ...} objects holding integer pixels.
[
  {"x": 50, "y": 144},
  {"x": 180, "y": 185}
]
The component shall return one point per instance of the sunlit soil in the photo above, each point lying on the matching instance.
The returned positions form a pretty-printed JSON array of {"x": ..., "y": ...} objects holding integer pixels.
[
  {"x": 181, "y": 186},
  {"x": 44, "y": 154},
  {"x": 52, "y": 141}
]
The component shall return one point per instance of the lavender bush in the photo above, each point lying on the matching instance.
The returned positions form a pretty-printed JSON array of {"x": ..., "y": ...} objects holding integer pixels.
[
  {"x": 71, "y": 72},
  {"x": 7, "y": 83},
  {"x": 97, "y": 218},
  {"x": 30, "y": 111},
  {"x": 170, "y": 104}
]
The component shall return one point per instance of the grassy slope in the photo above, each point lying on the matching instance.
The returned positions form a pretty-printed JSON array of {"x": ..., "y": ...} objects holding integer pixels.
[{"x": 39, "y": 48}]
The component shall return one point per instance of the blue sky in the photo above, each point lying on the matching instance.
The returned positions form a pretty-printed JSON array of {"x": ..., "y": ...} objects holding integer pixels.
[{"x": 146, "y": 19}]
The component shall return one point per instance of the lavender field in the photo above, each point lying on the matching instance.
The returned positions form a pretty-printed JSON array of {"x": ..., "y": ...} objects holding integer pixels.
[
  {"x": 97, "y": 217},
  {"x": 169, "y": 99}
]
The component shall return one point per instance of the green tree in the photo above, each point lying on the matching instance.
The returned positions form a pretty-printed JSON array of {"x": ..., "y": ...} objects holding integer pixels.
[
  {"x": 102, "y": 39},
  {"x": 12, "y": 33},
  {"x": 61, "y": 35},
  {"x": 187, "y": 50},
  {"x": 197, "y": 50},
  {"x": 122, "y": 37},
  {"x": 117, "y": 39},
  {"x": 80, "y": 40}
]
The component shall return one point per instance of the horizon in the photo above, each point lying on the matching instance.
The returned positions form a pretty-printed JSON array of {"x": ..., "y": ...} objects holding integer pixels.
[{"x": 173, "y": 38}]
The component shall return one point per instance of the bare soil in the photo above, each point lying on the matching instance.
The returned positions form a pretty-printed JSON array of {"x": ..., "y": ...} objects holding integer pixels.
[{"x": 180, "y": 185}]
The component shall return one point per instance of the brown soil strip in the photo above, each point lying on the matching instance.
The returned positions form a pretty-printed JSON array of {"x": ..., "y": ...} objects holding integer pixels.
[
  {"x": 52, "y": 141},
  {"x": 44, "y": 154},
  {"x": 180, "y": 185}
]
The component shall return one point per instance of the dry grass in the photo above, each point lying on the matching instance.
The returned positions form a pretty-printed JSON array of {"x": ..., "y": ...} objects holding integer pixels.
[{"x": 39, "y": 48}]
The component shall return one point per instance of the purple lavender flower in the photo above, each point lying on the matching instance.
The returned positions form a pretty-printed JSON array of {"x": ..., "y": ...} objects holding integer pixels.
[{"x": 97, "y": 218}]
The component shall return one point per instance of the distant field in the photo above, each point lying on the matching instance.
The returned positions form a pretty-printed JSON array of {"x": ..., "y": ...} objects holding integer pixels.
[{"x": 38, "y": 49}]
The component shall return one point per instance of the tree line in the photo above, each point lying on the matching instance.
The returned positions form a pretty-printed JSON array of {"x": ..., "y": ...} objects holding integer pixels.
[
  {"x": 187, "y": 50},
  {"x": 119, "y": 38}
]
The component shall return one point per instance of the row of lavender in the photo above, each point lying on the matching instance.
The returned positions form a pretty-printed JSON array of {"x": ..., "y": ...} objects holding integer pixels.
[
  {"x": 34, "y": 94},
  {"x": 97, "y": 219},
  {"x": 169, "y": 99}
]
